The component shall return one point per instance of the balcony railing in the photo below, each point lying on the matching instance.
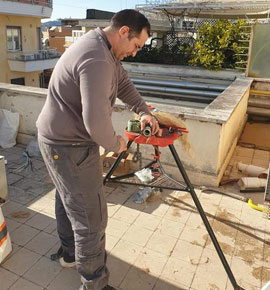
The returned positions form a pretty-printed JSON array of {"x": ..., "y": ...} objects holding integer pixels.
[
  {"x": 35, "y": 55},
  {"x": 47, "y": 3}
]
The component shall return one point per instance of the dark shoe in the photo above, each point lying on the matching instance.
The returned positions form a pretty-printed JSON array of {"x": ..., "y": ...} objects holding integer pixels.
[
  {"x": 57, "y": 255},
  {"x": 108, "y": 287},
  {"x": 65, "y": 260}
]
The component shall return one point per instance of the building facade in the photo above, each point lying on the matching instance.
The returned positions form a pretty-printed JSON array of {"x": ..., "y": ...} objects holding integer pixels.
[{"x": 22, "y": 59}]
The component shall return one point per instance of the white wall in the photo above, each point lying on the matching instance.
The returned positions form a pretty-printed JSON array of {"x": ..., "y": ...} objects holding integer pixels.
[{"x": 203, "y": 150}]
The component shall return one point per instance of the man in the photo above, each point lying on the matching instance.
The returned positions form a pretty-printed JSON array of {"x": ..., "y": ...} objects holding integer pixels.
[{"x": 74, "y": 122}]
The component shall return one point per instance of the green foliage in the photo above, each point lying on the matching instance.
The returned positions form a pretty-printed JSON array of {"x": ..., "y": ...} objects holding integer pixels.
[
  {"x": 217, "y": 45},
  {"x": 175, "y": 54}
]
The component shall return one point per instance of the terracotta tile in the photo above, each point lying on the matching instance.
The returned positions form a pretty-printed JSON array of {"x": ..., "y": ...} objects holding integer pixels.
[
  {"x": 231, "y": 203},
  {"x": 165, "y": 284},
  {"x": 261, "y": 154},
  {"x": 245, "y": 152},
  {"x": 210, "y": 273},
  {"x": 151, "y": 262},
  {"x": 178, "y": 215},
  {"x": 112, "y": 208},
  {"x": 265, "y": 275},
  {"x": 250, "y": 253},
  {"x": 242, "y": 159},
  {"x": 187, "y": 252},
  {"x": 23, "y": 234},
  {"x": 138, "y": 279},
  {"x": 23, "y": 284},
  {"x": 161, "y": 243},
  {"x": 126, "y": 251},
  {"x": 213, "y": 198},
  {"x": 7, "y": 278},
  {"x": 157, "y": 209},
  {"x": 10, "y": 206},
  {"x": 118, "y": 270},
  {"x": 147, "y": 221},
  {"x": 196, "y": 236},
  {"x": 39, "y": 221},
  {"x": 261, "y": 162},
  {"x": 12, "y": 225},
  {"x": 21, "y": 215},
  {"x": 43, "y": 272},
  {"x": 21, "y": 261},
  {"x": 247, "y": 274},
  {"x": 51, "y": 227},
  {"x": 68, "y": 279},
  {"x": 111, "y": 241},
  {"x": 116, "y": 228},
  {"x": 126, "y": 214},
  {"x": 170, "y": 228},
  {"x": 137, "y": 235},
  {"x": 179, "y": 271},
  {"x": 119, "y": 196},
  {"x": 41, "y": 243}
]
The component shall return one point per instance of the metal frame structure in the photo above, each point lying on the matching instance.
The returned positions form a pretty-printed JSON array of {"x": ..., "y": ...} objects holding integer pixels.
[
  {"x": 188, "y": 188},
  {"x": 209, "y": 9}
]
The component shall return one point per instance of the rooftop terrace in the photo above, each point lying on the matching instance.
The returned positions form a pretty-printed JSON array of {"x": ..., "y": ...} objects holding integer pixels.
[{"x": 159, "y": 245}]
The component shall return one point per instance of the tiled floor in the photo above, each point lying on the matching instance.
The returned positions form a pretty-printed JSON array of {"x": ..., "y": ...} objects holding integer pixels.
[
  {"x": 159, "y": 245},
  {"x": 247, "y": 156}
]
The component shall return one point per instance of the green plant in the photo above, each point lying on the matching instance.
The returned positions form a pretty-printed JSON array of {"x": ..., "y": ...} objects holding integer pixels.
[
  {"x": 217, "y": 45},
  {"x": 165, "y": 54}
]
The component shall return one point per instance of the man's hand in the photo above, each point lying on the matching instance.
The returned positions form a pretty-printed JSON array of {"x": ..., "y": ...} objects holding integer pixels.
[
  {"x": 150, "y": 119},
  {"x": 123, "y": 143}
]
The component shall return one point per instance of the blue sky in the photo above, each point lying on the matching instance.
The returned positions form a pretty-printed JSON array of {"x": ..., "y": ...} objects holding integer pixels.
[{"x": 77, "y": 9}]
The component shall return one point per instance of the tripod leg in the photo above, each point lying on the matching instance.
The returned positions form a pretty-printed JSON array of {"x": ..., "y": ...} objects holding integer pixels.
[
  {"x": 116, "y": 163},
  {"x": 204, "y": 218}
]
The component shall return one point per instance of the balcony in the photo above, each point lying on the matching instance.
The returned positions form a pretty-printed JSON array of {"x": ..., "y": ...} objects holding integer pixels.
[
  {"x": 33, "y": 61},
  {"x": 76, "y": 34},
  {"x": 36, "y": 8}
]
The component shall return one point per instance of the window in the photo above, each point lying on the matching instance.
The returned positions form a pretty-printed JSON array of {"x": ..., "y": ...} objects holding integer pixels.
[
  {"x": 14, "y": 40},
  {"x": 187, "y": 24},
  {"x": 18, "y": 81}
]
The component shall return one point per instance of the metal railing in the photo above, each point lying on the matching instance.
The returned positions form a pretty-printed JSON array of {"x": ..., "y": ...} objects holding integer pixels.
[
  {"x": 47, "y": 3},
  {"x": 34, "y": 55}
]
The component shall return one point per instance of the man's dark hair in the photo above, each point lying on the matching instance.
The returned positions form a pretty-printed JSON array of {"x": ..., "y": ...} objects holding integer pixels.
[{"x": 135, "y": 20}]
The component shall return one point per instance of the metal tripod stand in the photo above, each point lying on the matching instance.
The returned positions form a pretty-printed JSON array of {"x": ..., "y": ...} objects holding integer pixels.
[{"x": 189, "y": 188}]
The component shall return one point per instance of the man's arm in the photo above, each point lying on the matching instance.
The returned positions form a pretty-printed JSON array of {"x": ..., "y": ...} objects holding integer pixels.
[
  {"x": 95, "y": 79},
  {"x": 129, "y": 95}
]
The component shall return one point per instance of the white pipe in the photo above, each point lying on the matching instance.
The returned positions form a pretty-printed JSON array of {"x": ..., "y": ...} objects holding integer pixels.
[
  {"x": 251, "y": 182},
  {"x": 252, "y": 170}
]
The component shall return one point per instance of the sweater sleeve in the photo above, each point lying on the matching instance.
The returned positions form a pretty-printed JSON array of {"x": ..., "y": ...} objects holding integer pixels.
[
  {"x": 95, "y": 78},
  {"x": 129, "y": 95}
]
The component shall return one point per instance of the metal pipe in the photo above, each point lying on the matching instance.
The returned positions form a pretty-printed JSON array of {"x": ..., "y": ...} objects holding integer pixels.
[
  {"x": 177, "y": 84},
  {"x": 172, "y": 102},
  {"x": 167, "y": 96},
  {"x": 177, "y": 91}
]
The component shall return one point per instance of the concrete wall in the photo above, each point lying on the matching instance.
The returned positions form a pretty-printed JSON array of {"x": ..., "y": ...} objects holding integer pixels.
[
  {"x": 58, "y": 43},
  {"x": 29, "y": 27},
  {"x": 204, "y": 150},
  {"x": 28, "y": 102},
  {"x": 232, "y": 105},
  {"x": 57, "y": 37}
]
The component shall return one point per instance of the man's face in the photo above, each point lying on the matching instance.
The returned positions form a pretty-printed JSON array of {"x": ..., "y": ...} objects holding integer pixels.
[{"x": 129, "y": 46}]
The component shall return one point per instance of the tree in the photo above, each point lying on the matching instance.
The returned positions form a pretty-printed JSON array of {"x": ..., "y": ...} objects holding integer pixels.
[{"x": 218, "y": 44}]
